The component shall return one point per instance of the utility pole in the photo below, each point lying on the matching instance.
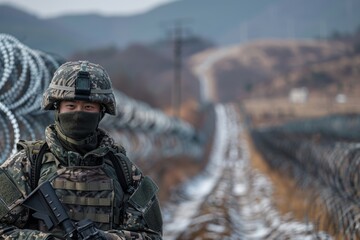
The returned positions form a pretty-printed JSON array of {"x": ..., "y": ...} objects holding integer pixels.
[
  {"x": 178, "y": 42},
  {"x": 178, "y": 33}
]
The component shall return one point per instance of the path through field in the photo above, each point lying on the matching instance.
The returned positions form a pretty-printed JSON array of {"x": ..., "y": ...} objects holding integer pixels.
[{"x": 230, "y": 199}]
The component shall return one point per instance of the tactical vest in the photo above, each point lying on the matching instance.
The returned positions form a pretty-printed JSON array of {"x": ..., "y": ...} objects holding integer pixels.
[
  {"x": 94, "y": 192},
  {"x": 89, "y": 193}
]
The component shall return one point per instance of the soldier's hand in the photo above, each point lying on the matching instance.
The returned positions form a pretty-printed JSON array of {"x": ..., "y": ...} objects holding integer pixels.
[
  {"x": 86, "y": 230},
  {"x": 52, "y": 238}
]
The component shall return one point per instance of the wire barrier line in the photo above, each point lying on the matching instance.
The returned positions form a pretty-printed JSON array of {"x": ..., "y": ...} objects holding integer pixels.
[
  {"x": 323, "y": 154},
  {"x": 9, "y": 144},
  {"x": 25, "y": 74},
  {"x": 140, "y": 116},
  {"x": 153, "y": 134}
]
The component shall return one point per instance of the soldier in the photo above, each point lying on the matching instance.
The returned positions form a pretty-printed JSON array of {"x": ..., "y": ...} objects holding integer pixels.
[{"x": 91, "y": 175}]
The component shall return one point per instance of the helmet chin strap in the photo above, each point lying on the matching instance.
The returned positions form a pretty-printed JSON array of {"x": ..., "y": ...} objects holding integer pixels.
[{"x": 102, "y": 112}]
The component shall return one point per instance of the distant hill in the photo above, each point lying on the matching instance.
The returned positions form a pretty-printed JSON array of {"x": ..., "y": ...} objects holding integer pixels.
[
  {"x": 271, "y": 68},
  {"x": 294, "y": 19},
  {"x": 38, "y": 33},
  {"x": 221, "y": 22}
]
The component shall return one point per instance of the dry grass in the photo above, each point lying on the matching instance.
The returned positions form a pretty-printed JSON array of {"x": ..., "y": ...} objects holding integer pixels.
[
  {"x": 171, "y": 172},
  {"x": 289, "y": 198},
  {"x": 303, "y": 204}
]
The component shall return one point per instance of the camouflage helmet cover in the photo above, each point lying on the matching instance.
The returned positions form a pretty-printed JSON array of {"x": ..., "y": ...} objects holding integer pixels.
[{"x": 80, "y": 80}]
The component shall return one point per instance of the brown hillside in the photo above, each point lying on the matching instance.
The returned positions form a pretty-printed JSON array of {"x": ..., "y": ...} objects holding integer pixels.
[
  {"x": 262, "y": 74},
  {"x": 263, "y": 68}
]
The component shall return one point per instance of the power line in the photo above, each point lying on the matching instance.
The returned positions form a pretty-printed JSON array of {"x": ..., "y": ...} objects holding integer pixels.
[{"x": 179, "y": 34}]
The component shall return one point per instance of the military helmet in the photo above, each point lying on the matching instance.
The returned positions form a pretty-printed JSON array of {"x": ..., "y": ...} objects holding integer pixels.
[{"x": 80, "y": 80}]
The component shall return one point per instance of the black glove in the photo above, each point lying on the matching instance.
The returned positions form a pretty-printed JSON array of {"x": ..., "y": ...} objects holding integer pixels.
[{"x": 86, "y": 230}]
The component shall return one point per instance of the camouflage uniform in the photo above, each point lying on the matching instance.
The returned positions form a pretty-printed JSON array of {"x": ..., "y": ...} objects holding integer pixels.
[{"x": 87, "y": 185}]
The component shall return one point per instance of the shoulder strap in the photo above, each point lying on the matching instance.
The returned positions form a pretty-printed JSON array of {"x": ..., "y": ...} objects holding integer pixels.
[
  {"x": 36, "y": 165},
  {"x": 35, "y": 151},
  {"x": 142, "y": 194},
  {"x": 123, "y": 169},
  {"x": 123, "y": 172}
]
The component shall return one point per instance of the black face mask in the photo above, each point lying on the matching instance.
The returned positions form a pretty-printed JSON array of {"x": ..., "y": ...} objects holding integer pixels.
[{"x": 78, "y": 125}]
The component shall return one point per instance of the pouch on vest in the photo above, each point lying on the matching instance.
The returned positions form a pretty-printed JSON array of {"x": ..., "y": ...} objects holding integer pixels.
[
  {"x": 9, "y": 193},
  {"x": 144, "y": 200}
]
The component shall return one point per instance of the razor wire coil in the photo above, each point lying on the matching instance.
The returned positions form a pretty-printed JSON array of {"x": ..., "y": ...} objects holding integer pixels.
[
  {"x": 323, "y": 154},
  {"x": 25, "y": 74}
]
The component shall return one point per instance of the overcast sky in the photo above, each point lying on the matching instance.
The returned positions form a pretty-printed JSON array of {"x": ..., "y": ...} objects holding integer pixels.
[{"x": 50, "y": 8}]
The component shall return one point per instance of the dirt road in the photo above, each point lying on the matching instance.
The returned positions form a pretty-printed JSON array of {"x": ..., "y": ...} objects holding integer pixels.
[{"x": 230, "y": 199}]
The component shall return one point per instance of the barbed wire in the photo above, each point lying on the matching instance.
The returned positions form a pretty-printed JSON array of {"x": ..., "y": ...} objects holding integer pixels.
[
  {"x": 145, "y": 124},
  {"x": 25, "y": 73},
  {"x": 323, "y": 154}
]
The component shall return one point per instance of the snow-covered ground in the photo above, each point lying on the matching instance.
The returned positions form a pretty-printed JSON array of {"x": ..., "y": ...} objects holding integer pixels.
[{"x": 230, "y": 199}]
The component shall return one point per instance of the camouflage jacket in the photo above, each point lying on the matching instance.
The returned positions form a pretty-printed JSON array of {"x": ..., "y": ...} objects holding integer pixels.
[{"x": 86, "y": 185}]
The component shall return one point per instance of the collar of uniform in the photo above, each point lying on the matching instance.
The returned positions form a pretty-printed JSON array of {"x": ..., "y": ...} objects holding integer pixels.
[
  {"x": 92, "y": 158},
  {"x": 74, "y": 159},
  {"x": 70, "y": 158}
]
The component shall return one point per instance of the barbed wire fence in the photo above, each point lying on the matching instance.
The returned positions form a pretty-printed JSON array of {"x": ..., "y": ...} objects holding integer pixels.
[
  {"x": 321, "y": 154},
  {"x": 24, "y": 75},
  {"x": 149, "y": 133}
]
